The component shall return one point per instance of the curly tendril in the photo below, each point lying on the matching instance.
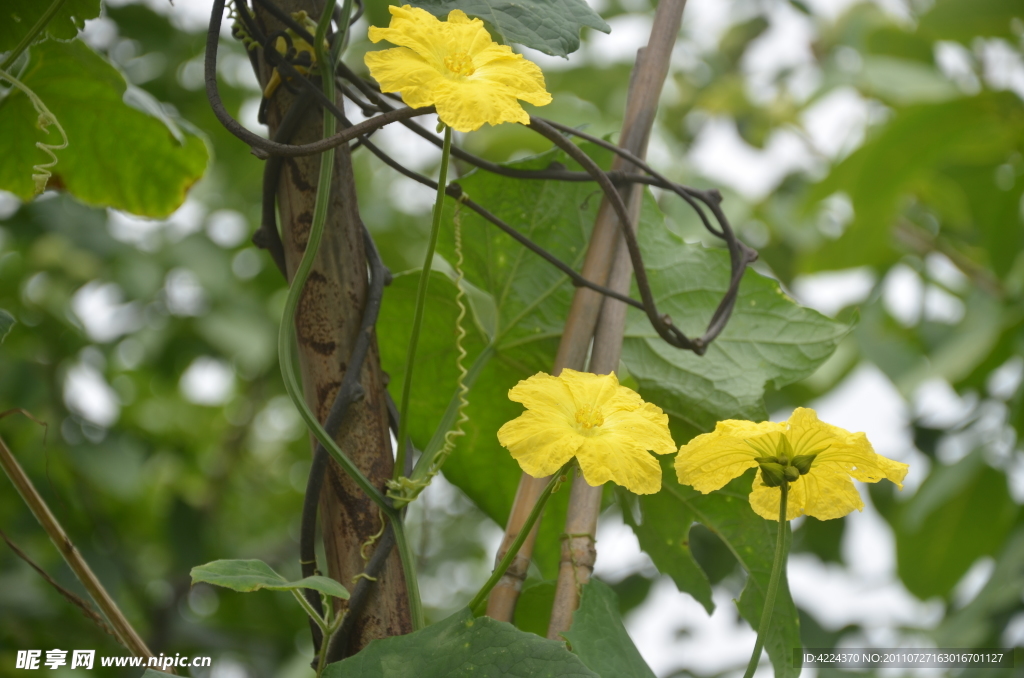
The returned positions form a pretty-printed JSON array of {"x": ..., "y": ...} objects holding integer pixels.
[
  {"x": 405, "y": 490},
  {"x": 46, "y": 118}
]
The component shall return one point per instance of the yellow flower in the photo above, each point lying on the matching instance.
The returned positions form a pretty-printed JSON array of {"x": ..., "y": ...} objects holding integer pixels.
[
  {"x": 456, "y": 67},
  {"x": 817, "y": 459},
  {"x": 607, "y": 427}
]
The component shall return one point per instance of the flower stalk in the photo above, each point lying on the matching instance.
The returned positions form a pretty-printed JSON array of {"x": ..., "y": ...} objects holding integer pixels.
[
  {"x": 499, "y": 570},
  {"x": 773, "y": 583},
  {"x": 421, "y": 300}
]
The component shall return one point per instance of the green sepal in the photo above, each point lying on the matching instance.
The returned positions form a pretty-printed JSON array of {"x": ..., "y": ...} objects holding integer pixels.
[
  {"x": 773, "y": 475},
  {"x": 803, "y": 462}
]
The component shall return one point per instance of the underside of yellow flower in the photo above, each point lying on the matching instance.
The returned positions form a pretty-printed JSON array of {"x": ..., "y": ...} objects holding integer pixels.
[
  {"x": 817, "y": 460},
  {"x": 455, "y": 66},
  {"x": 606, "y": 426}
]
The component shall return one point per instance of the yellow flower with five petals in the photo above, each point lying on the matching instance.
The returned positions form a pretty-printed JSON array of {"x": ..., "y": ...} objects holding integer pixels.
[
  {"x": 818, "y": 461},
  {"x": 455, "y": 66},
  {"x": 606, "y": 426}
]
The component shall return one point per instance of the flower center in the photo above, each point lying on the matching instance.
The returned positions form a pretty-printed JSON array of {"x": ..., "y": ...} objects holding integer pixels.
[
  {"x": 460, "y": 63},
  {"x": 589, "y": 417},
  {"x": 785, "y": 466}
]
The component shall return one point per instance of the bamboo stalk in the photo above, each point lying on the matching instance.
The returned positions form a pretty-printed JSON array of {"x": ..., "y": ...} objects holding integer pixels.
[
  {"x": 123, "y": 629},
  {"x": 586, "y": 304},
  {"x": 578, "y": 543},
  {"x": 572, "y": 354}
]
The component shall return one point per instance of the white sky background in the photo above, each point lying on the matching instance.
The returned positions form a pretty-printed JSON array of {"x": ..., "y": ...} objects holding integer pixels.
[{"x": 866, "y": 591}]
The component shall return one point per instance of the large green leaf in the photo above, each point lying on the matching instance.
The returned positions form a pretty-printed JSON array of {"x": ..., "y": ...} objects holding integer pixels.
[
  {"x": 550, "y": 26},
  {"x": 19, "y": 16},
  {"x": 598, "y": 637},
  {"x": 518, "y": 305},
  {"x": 663, "y": 530},
  {"x": 965, "y": 20},
  {"x": 770, "y": 339},
  {"x": 663, "y": 534},
  {"x": 960, "y": 513},
  {"x": 117, "y": 155},
  {"x": 533, "y": 607},
  {"x": 245, "y": 576},
  {"x": 462, "y": 646},
  {"x": 901, "y": 160}
]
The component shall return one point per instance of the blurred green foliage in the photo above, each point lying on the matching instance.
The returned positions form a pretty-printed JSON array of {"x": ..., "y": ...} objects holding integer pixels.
[{"x": 149, "y": 346}]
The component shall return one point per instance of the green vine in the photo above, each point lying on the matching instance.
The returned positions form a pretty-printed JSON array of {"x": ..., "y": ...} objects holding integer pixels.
[{"x": 286, "y": 337}]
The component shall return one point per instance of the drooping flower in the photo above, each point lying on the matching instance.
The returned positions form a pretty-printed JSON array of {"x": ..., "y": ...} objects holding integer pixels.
[
  {"x": 606, "y": 426},
  {"x": 455, "y": 66},
  {"x": 816, "y": 459}
]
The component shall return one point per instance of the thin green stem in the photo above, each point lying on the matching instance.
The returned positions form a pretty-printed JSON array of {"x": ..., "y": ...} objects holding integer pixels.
[
  {"x": 321, "y": 657},
  {"x": 421, "y": 299},
  {"x": 328, "y": 630},
  {"x": 773, "y": 584},
  {"x": 33, "y": 33},
  {"x": 310, "y": 611},
  {"x": 412, "y": 585},
  {"x": 524, "y": 532}
]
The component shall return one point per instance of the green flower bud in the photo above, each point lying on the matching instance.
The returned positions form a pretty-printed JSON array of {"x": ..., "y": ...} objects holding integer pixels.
[
  {"x": 784, "y": 449},
  {"x": 766, "y": 460},
  {"x": 772, "y": 475},
  {"x": 803, "y": 462},
  {"x": 791, "y": 473}
]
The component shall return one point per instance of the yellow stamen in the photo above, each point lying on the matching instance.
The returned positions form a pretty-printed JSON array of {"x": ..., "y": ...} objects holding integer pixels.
[
  {"x": 460, "y": 63},
  {"x": 589, "y": 417}
]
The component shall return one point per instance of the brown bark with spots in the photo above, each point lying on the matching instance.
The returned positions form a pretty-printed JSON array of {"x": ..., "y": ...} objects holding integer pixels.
[{"x": 327, "y": 323}]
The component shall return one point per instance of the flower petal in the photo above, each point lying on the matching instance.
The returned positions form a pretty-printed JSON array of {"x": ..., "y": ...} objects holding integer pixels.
[
  {"x": 821, "y": 494},
  {"x": 416, "y": 29},
  {"x": 861, "y": 462},
  {"x": 830, "y": 493},
  {"x": 765, "y": 500},
  {"x": 545, "y": 394},
  {"x": 467, "y": 104},
  {"x": 850, "y": 452},
  {"x": 600, "y": 391},
  {"x": 402, "y": 70},
  {"x": 540, "y": 445},
  {"x": 474, "y": 80},
  {"x": 711, "y": 460},
  {"x": 615, "y": 456},
  {"x": 466, "y": 36},
  {"x": 523, "y": 79},
  {"x": 647, "y": 426}
]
